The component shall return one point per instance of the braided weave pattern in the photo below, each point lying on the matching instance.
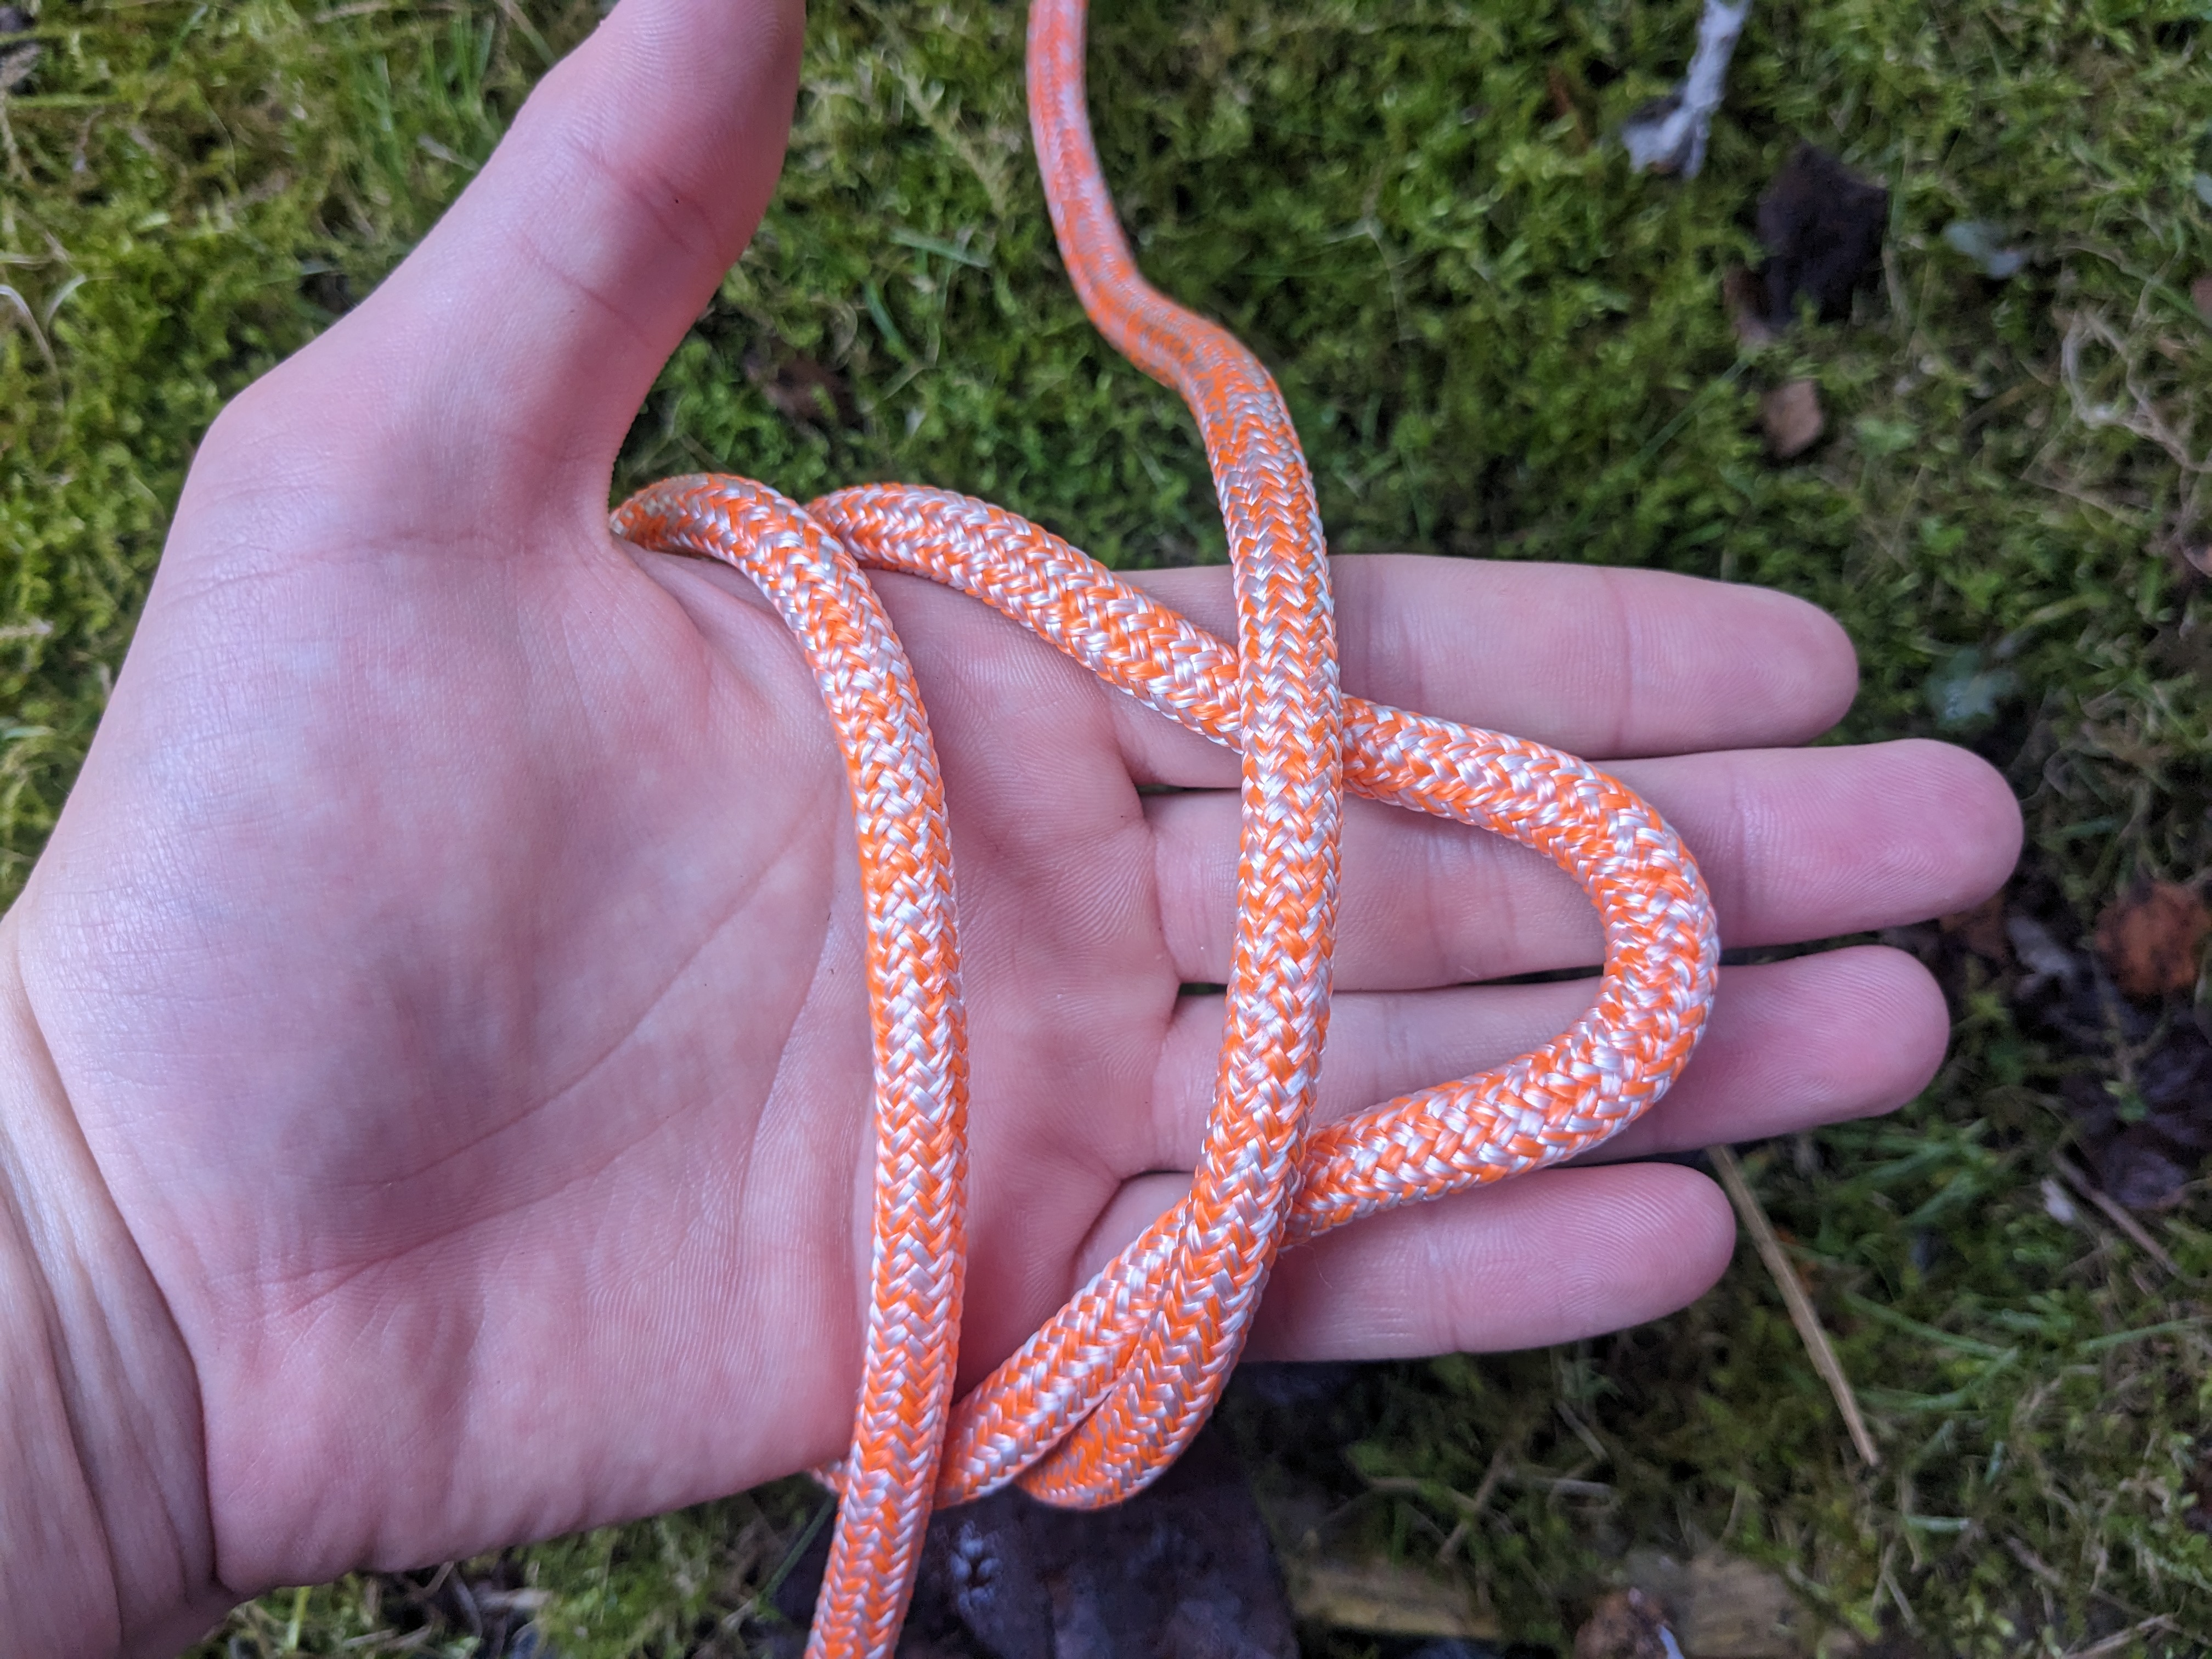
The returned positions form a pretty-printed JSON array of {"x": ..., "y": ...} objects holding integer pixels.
[
  {"x": 920, "y": 1242},
  {"x": 1662, "y": 949},
  {"x": 1102, "y": 1399},
  {"x": 1290, "y": 733}
]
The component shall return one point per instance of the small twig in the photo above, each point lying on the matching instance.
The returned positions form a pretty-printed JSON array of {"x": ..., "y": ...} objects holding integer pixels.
[
  {"x": 2035, "y": 1563},
  {"x": 1411, "y": 1486},
  {"x": 2119, "y": 1640},
  {"x": 1500, "y": 1464},
  {"x": 1801, "y": 1314},
  {"x": 1885, "y": 1580},
  {"x": 1563, "y": 1486},
  {"x": 2116, "y": 1212}
]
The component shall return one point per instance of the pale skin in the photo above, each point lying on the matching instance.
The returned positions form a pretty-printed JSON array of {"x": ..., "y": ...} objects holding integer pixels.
[{"x": 436, "y": 1062}]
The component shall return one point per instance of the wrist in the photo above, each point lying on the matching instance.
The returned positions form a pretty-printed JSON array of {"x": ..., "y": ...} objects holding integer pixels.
[{"x": 105, "y": 1541}]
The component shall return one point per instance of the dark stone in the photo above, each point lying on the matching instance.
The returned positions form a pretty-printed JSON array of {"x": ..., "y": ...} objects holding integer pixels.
[
  {"x": 1289, "y": 1385},
  {"x": 1822, "y": 225},
  {"x": 1185, "y": 1569}
]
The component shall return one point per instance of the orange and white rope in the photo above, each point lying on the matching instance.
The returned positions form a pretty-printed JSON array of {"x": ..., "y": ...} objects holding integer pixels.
[{"x": 1103, "y": 1398}]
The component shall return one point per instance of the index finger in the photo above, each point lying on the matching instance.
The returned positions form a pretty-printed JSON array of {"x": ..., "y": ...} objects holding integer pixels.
[{"x": 1605, "y": 664}]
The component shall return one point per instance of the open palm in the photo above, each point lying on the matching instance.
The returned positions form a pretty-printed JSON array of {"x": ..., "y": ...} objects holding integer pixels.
[{"x": 451, "y": 953}]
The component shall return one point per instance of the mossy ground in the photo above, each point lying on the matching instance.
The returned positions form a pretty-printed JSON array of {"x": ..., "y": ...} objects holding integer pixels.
[{"x": 1497, "y": 341}]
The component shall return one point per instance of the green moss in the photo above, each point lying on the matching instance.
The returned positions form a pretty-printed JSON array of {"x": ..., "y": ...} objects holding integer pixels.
[{"x": 1496, "y": 341}]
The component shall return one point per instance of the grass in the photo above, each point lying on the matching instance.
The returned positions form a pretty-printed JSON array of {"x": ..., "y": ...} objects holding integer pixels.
[{"x": 1497, "y": 341}]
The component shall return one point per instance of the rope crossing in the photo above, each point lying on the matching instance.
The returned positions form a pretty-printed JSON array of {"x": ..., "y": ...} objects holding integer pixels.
[{"x": 1095, "y": 1405}]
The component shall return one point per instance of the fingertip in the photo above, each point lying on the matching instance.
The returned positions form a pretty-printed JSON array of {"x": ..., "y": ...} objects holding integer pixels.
[
  {"x": 1847, "y": 1033},
  {"x": 1700, "y": 1217},
  {"x": 1811, "y": 665},
  {"x": 1979, "y": 816},
  {"x": 1549, "y": 1258},
  {"x": 1668, "y": 1232},
  {"x": 1890, "y": 1043}
]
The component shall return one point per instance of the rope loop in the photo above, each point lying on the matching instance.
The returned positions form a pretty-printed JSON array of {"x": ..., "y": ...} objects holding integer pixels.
[{"x": 1102, "y": 1399}]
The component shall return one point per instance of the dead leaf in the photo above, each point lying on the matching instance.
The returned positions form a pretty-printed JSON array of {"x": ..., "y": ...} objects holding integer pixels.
[
  {"x": 1821, "y": 226},
  {"x": 1668, "y": 135},
  {"x": 1982, "y": 929},
  {"x": 2046, "y": 960},
  {"x": 1385, "y": 1599},
  {"x": 2150, "y": 940},
  {"x": 1625, "y": 1624},
  {"x": 1791, "y": 416}
]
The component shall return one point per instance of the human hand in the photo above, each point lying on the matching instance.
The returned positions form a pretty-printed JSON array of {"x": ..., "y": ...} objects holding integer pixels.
[{"x": 450, "y": 961}]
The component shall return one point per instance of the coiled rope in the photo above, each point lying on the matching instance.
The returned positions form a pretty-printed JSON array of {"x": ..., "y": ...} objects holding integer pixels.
[{"x": 1102, "y": 1399}]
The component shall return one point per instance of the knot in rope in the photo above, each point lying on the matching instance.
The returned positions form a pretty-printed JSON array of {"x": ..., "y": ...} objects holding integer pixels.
[{"x": 1100, "y": 1400}]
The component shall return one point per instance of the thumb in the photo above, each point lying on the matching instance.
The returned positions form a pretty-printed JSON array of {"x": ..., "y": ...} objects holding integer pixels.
[{"x": 515, "y": 344}]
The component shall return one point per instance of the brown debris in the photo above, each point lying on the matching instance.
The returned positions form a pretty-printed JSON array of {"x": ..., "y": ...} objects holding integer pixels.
[
  {"x": 17, "y": 59},
  {"x": 1562, "y": 86},
  {"x": 1741, "y": 294},
  {"x": 803, "y": 391},
  {"x": 1982, "y": 929},
  {"x": 17, "y": 64},
  {"x": 2150, "y": 940},
  {"x": 1625, "y": 1624},
  {"x": 1791, "y": 417},
  {"x": 2116, "y": 1212}
]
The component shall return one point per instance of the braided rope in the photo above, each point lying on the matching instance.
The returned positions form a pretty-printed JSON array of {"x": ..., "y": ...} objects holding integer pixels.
[{"x": 1113, "y": 1388}]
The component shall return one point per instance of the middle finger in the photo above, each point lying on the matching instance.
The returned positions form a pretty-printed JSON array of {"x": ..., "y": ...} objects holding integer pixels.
[{"x": 1794, "y": 844}]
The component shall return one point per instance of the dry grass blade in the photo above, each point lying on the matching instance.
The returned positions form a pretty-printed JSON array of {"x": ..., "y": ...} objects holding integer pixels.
[
  {"x": 1801, "y": 1314},
  {"x": 2116, "y": 1212},
  {"x": 2121, "y": 1641}
]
